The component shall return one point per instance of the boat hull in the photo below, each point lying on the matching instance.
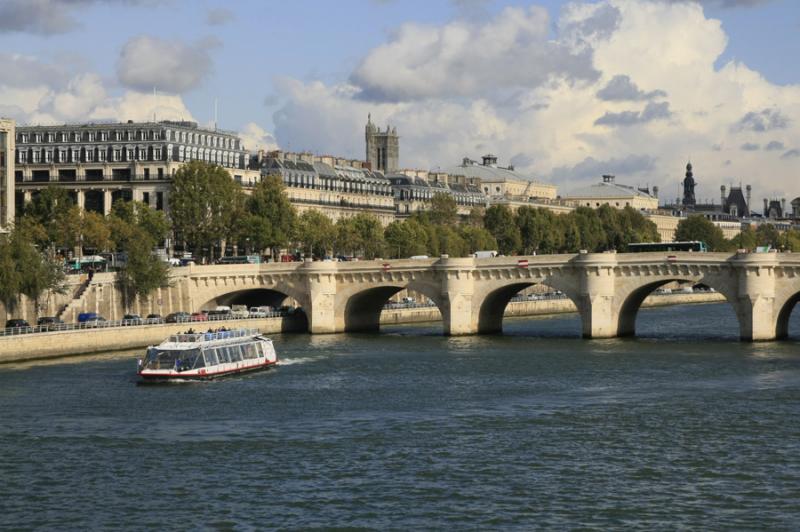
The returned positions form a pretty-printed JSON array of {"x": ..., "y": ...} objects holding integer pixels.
[{"x": 153, "y": 377}]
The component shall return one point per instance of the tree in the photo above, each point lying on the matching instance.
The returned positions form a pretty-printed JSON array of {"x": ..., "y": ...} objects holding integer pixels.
[
  {"x": 405, "y": 239},
  {"x": 499, "y": 220},
  {"x": 275, "y": 215},
  {"x": 477, "y": 239},
  {"x": 142, "y": 272},
  {"x": 316, "y": 232},
  {"x": 96, "y": 231},
  {"x": 539, "y": 230},
  {"x": 744, "y": 240},
  {"x": 203, "y": 200},
  {"x": 589, "y": 225},
  {"x": 697, "y": 227},
  {"x": 370, "y": 234},
  {"x": 444, "y": 209},
  {"x": 768, "y": 235}
]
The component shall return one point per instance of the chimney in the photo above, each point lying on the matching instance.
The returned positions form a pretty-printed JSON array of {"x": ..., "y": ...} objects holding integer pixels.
[
  {"x": 749, "y": 190},
  {"x": 783, "y": 207},
  {"x": 655, "y": 191},
  {"x": 722, "y": 193},
  {"x": 766, "y": 208},
  {"x": 608, "y": 179}
]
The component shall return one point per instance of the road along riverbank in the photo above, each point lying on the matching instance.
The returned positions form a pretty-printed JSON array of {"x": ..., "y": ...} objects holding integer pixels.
[{"x": 26, "y": 347}]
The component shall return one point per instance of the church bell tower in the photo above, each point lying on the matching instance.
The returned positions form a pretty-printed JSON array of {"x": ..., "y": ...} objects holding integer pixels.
[{"x": 383, "y": 147}]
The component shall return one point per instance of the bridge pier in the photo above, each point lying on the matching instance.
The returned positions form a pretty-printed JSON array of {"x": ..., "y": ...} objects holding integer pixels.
[
  {"x": 756, "y": 301},
  {"x": 458, "y": 288},
  {"x": 595, "y": 302},
  {"x": 321, "y": 287}
]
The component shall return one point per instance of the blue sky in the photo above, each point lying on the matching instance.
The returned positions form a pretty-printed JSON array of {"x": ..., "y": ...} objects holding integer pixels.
[{"x": 303, "y": 74}]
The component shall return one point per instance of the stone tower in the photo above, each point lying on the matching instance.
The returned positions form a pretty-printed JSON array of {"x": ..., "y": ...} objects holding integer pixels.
[
  {"x": 383, "y": 147},
  {"x": 688, "y": 187}
]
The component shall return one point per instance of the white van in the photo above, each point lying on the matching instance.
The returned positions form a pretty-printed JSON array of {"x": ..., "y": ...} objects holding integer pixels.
[
  {"x": 260, "y": 312},
  {"x": 485, "y": 254},
  {"x": 240, "y": 311},
  {"x": 419, "y": 257}
]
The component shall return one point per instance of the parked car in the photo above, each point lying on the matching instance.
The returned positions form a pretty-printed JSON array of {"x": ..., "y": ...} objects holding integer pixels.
[
  {"x": 198, "y": 316},
  {"x": 19, "y": 326},
  {"x": 154, "y": 318},
  {"x": 260, "y": 312},
  {"x": 84, "y": 316},
  {"x": 132, "y": 319},
  {"x": 222, "y": 312},
  {"x": 93, "y": 322},
  {"x": 240, "y": 311},
  {"x": 50, "y": 323},
  {"x": 178, "y": 317}
]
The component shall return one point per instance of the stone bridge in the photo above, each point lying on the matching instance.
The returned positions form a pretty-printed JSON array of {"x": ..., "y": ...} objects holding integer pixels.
[{"x": 607, "y": 288}]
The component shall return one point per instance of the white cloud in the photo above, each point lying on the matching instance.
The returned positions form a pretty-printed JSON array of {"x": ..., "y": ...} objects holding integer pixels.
[
  {"x": 148, "y": 62},
  {"x": 452, "y": 94},
  {"x": 255, "y": 138},
  {"x": 464, "y": 58}
]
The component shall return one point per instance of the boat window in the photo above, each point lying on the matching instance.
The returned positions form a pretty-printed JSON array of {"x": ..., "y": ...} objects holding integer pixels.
[
  {"x": 259, "y": 349},
  {"x": 236, "y": 354},
  {"x": 249, "y": 351},
  {"x": 211, "y": 357},
  {"x": 222, "y": 355},
  {"x": 171, "y": 358}
]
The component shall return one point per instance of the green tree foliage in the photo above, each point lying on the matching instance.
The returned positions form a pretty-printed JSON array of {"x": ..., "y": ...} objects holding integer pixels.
[
  {"x": 768, "y": 235},
  {"x": 203, "y": 203},
  {"x": 540, "y": 230},
  {"x": 405, "y": 239},
  {"x": 444, "y": 209},
  {"x": 370, "y": 234},
  {"x": 143, "y": 272},
  {"x": 697, "y": 227},
  {"x": 315, "y": 232},
  {"x": 273, "y": 217},
  {"x": 500, "y": 222},
  {"x": 477, "y": 239},
  {"x": 27, "y": 270},
  {"x": 744, "y": 240}
]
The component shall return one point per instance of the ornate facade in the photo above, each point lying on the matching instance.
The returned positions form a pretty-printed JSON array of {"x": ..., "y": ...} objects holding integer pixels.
[{"x": 100, "y": 163}]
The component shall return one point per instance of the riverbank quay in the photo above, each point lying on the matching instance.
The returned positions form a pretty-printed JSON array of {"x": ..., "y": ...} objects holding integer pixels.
[
  {"x": 543, "y": 307},
  {"x": 56, "y": 344}
]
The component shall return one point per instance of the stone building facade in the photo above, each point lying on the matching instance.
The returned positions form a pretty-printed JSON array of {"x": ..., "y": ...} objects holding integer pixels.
[
  {"x": 339, "y": 188},
  {"x": 7, "y": 140},
  {"x": 383, "y": 148},
  {"x": 100, "y": 163}
]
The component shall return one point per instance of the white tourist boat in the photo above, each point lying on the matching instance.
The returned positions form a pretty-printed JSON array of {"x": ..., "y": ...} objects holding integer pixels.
[{"x": 202, "y": 356}]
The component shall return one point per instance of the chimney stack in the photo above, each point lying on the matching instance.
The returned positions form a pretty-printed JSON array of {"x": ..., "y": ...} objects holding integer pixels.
[
  {"x": 766, "y": 208},
  {"x": 749, "y": 190},
  {"x": 655, "y": 191},
  {"x": 722, "y": 193},
  {"x": 783, "y": 207}
]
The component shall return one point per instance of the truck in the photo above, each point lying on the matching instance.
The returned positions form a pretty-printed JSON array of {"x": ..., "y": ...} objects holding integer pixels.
[{"x": 485, "y": 254}]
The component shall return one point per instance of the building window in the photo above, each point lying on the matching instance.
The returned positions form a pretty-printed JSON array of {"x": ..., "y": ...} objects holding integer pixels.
[
  {"x": 117, "y": 155},
  {"x": 76, "y": 156},
  {"x": 22, "y": 157},
  {"x": 36, "y": 156},
  {"x": 103, "y": 136},
  {"x": 118, "y": 135},
  {"x": 23, "y": 138},
  {"x": 146, "y": 198},
  {"x": 157, "y": 154},
  {"x": 51, "y": 137},
  {"x": 76, "y": 137},
  {"x": 62, "y": 136},
  {"x": 48, "y": 156},
  {"x": 129, "y": 154},
  {"x": 89, "y": 155},
  {"x": 62, "y": 156},
  {"x": 142, "y": 154},
  {"x": 159, "y": 201},
  {"x": 90, "y": 137},
  {"x": 101, "y": 154}
]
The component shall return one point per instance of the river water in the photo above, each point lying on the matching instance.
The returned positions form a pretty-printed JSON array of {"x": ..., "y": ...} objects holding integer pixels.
[{"x": 684, "y": 427}]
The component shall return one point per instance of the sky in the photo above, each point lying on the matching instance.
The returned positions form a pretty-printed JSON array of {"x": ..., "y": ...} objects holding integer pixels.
[{"x": 564, "y": 91}]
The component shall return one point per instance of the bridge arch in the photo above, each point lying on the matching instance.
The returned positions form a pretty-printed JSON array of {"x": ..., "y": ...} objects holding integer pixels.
[
  {"x": 630, "y": 299},
  {"x": 785, "y": 308},
  {"x": 491, "y": 310},
  {"x": 359, "y": 309}
]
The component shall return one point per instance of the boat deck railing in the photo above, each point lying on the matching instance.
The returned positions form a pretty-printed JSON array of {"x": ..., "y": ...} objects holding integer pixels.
[{"x": 211, "y": 336}]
